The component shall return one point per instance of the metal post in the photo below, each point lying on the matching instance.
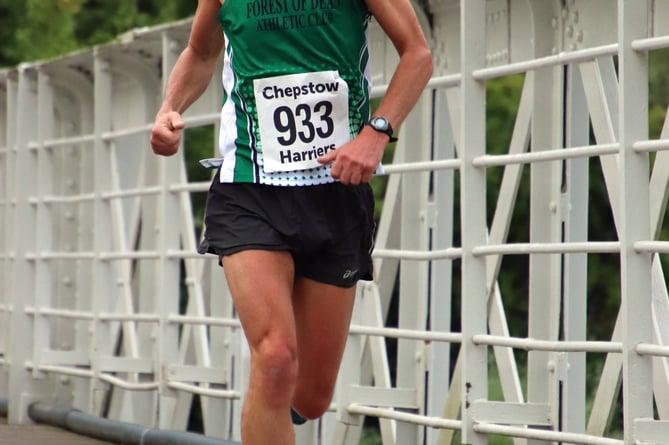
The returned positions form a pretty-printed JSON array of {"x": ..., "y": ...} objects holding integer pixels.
[
  {"x": 545, "y": 270},
  {"x": 575, "y": 220},
  {"x": 103, "y": 280},
  {"x": 167, "y": 273},
  {"x": 44, "y": 220},
  {"x": 22, "y": 388},
  {"x": 635, "y": 216},
  {"x": 441, "y": 300},
  {"x": 473, "y": 220},
  {"x": 6, "y": 195}
]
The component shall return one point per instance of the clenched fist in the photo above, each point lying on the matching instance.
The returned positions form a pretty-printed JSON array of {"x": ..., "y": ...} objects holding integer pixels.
[{"x": 166, "y": 133}]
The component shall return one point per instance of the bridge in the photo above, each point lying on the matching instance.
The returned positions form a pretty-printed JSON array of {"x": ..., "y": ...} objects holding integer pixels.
[{"x": 107, "y": 309}]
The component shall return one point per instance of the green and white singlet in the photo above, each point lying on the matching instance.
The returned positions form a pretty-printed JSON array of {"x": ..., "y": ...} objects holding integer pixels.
[{"x": 296, "y": 84}]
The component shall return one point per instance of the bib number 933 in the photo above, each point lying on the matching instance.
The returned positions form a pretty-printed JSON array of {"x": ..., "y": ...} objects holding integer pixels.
[{"x": 312, "y": 123}]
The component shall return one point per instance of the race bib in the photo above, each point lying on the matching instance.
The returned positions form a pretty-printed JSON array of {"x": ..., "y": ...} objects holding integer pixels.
[{"x": 301, "y": 117}]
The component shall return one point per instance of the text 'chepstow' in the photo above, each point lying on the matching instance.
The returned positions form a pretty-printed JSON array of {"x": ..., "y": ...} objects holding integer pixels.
[{"x": 277, "y": 92}]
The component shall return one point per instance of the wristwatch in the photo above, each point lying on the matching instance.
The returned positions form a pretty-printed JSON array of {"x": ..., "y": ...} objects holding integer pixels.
[{"x": 382, "y": 125}]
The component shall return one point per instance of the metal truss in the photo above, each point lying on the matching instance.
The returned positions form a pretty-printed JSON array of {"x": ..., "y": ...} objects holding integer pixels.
[{"x": 106, "y": 307}]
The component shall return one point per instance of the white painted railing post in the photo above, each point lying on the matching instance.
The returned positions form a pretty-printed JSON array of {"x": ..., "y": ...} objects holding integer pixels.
[
  {"x": 474, "y": 293},
  {"x": 636, "y": 294},
  {"x": 104, "y": 283},
  {"x": 23, "y": 389}
]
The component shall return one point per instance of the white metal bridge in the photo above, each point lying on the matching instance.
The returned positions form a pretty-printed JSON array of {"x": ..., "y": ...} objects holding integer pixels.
[{"x": 98, "y": 237}]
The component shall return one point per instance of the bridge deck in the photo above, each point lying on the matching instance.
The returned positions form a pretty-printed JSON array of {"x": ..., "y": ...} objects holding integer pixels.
[{"x": 34, "y": 434}]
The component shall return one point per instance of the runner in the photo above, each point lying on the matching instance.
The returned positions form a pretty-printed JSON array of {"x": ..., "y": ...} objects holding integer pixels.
[{"x": 290, "y": 210}]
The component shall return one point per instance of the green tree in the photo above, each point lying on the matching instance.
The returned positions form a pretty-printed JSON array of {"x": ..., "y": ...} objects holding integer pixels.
[
  {"x": 50, "y": 30},
  {"x": 101, "y": 21},
  {"x": 11, "y": 12},
  {"x": 41, "y": 29}
]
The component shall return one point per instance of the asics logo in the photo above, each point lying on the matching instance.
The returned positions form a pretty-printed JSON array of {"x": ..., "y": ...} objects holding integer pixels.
[{"x": 350, "y": 273}]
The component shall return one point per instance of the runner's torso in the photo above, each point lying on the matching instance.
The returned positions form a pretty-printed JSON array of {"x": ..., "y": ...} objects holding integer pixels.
[{"x": 296, "y": 84}]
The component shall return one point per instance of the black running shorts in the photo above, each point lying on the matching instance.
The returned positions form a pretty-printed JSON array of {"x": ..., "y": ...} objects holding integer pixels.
[{"x": 328, "y": 229}]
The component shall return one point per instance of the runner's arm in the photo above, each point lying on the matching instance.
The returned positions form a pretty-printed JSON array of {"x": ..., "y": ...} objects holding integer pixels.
[
  {"x": 356, "y": 161},
  {"x": 190, "y": 77},
  {"x": 398, "y": 19}
]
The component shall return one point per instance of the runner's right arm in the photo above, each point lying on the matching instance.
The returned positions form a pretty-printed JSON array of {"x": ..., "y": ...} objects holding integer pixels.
[{"x": 190, "y": 77}]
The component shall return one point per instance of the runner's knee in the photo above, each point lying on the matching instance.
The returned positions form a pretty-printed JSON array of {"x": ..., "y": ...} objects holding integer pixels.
[
  {"x": 276, "y": 363},
  {"x": 312, "y": 398}
]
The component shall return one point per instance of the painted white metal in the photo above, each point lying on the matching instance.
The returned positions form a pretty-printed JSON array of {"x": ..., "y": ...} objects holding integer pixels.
[
  {"x": 636, "y": 304},
  {"x": 6, "y": 191},
  {"x": 472, "y": 144},
  {"x": 574, "y": 216},
  {"x": 23, "y": 385},
  {"x": 441, "y": 298},
  {"x": 106, "y": 307}
]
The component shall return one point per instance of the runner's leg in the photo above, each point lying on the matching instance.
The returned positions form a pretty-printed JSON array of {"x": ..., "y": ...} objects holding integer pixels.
[
  {"x": 261, "y": 284},
  {"x": 322, "y": 317}
]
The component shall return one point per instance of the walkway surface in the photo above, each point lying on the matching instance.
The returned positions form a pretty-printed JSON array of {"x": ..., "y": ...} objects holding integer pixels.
[{"x": 41, "y": 434}]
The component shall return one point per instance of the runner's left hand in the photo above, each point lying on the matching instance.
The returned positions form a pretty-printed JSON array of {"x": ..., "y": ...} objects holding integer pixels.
[{"x": 356, "y": 161}]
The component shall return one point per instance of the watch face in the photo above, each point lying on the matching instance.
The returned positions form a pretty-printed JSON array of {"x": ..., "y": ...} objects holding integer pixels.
[{"x": 380, "y": 123}]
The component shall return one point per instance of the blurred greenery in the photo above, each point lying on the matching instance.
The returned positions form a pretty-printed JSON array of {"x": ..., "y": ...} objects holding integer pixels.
[{"x": 43, "y": 29}]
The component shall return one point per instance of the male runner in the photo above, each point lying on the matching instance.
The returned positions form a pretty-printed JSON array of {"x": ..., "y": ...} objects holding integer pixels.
[{"x": 290, "y": 210}]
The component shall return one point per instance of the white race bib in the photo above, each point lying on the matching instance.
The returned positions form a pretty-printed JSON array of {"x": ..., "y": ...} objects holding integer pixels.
[{"x": 301, "y": 117}]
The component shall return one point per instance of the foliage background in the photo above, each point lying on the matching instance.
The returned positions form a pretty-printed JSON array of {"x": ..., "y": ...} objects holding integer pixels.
[{"x": 42, "y": 29}]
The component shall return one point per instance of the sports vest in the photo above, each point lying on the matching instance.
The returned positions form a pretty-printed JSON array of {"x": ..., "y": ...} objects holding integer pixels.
[{"x": 296, "y": 84}]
